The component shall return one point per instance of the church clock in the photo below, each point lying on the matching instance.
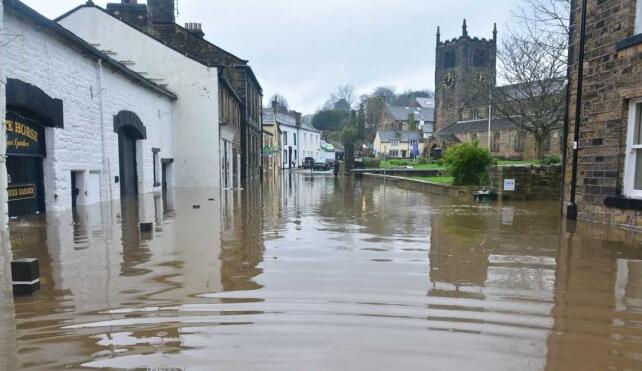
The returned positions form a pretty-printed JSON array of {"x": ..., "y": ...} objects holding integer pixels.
[{"x": 449, "y": 81}]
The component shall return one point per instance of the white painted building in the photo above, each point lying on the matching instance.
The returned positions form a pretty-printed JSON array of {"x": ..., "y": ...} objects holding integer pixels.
[
  {"x": 81, "y": 128},
  {"x": 195, "y": 115},
  {"x": 310, "y": 143}
]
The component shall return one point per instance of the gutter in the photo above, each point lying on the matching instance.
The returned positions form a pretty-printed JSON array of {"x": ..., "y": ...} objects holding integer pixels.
[{"x": 571, "y": 209}]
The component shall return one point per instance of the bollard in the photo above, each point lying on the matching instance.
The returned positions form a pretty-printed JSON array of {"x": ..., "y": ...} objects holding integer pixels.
[
  {"x": 25, "y": 274},
  {"x": 146, "y": 227},
  {"x": 196, "y": 206}
]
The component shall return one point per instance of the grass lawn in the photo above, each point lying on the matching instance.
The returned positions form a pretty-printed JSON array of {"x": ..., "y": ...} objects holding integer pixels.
[
  {"x": 387, "y": 164},
  {"x": 435, "y": 179},
  {"x": 517, "y": 163}
]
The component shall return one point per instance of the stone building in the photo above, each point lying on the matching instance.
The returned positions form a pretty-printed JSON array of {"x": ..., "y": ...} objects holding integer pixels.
[
  {"x": 465, "y": 80},
  {"x": 157, "y": 19},
  {"x": 507, "y": 141},
  {"x": 603, "y": 175},
  {"x": 297, "y": 140},
  {"x": 81, "y": 127},
  {"x": 396, "y": 143},
  {"x": 461, "y": 63}
]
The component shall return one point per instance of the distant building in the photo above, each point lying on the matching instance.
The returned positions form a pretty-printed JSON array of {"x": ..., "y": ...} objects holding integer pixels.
[
  {"x": 465, "y": 69},
  {"x": 396, "y": 144}
]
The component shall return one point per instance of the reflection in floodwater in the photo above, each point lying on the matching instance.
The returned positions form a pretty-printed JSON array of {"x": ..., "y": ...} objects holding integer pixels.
[{"x": 315, "y": 272}]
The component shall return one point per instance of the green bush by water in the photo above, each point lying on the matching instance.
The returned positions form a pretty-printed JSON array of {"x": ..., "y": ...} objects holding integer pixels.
[{"x": 468, "y": 164}]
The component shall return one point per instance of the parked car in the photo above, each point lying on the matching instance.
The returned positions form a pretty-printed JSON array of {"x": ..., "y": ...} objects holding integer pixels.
[
  {"x": 308, "y": 163},
  {"x": 321, "y": 166}
]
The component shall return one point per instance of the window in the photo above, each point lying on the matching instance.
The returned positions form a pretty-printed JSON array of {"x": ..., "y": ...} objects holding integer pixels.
[
  {"x": 156, "y": 161},
  {"x": 638, "y": 17},
  {"x": 285, "y": 138},
  {"x": 394, "y": 142},
  {"x": 294, "y": 139},
  {"x": 480, "y": 58},
  {"x": 496, "y": 140},
  {"x": 285, "y": 157},
  {"x": 450, "y": 59},
  {"x": 519, "y": 141},
  {"x": 633, "y": 166}
]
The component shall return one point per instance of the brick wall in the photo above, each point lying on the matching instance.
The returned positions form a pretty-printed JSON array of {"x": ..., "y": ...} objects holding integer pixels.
[{"x": 611, "y": 78}]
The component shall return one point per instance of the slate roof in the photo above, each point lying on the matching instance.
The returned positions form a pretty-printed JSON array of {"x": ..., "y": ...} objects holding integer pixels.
[
  {"x": 284, "y": 119},
  {"x": 402, "y": 136},
  {"x": 477, "y": 126},
  {"x": 425, "y": 102},
  {"x": 421, "y": 114},
  {"x": 446, "y": 138},
  {"x": 87, "y": 48}
]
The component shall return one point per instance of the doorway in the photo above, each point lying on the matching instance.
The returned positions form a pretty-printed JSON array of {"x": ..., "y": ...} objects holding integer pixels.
[
  {"x": 127, "y": 161},
  {"x": 26, "y": 186}
]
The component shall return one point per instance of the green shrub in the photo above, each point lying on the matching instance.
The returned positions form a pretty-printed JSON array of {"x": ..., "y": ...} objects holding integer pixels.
[
  {"x": 424, "y": 161},
  {"x": 551, "y": 160},
  {"x": 397, "y": 162},
  {"x": 468, "y": 164},
  {"x": 371, "y": 163}
]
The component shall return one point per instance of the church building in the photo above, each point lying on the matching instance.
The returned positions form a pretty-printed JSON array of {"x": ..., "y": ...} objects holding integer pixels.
[{"x": 465, "y": 78}]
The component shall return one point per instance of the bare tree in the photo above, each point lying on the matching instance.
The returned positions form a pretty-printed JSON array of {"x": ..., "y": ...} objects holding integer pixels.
[
  {"x": 347, "y": 92},
  {"x": 534, "y": 66}
]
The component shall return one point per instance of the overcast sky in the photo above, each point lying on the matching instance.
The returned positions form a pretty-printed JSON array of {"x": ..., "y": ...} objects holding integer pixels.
[{"x": 304, "y": 49}]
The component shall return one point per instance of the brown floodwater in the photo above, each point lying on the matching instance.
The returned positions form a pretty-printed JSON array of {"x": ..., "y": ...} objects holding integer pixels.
[{"x": 315, "y": 273}]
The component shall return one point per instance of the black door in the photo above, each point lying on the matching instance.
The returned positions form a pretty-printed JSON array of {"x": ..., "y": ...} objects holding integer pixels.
[
  {"x": 127, "y": 159},
  {"x": 26, "y": 186}
]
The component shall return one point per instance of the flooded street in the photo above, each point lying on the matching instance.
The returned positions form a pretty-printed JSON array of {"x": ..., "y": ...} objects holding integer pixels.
[{"x": 316, "y": 273}]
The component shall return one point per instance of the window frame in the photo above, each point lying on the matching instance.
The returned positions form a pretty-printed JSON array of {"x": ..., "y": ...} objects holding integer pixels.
[{"x": 635, "y": 109}]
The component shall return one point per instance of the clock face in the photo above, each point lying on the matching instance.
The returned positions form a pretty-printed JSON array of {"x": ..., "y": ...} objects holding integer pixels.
[
  {"x": 480, "y": 77},
  {"x": 449, "y": 81}
]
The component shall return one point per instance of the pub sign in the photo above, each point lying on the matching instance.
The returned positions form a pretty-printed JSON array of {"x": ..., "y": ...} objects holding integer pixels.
[{"x": 24, "y": 136}]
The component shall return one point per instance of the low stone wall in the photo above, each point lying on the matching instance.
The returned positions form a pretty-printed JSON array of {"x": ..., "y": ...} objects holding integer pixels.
[
  {"x": 423, "y": 186},
  {"x": 531, "y": 182},
  {"x": 400, "y": 172}
]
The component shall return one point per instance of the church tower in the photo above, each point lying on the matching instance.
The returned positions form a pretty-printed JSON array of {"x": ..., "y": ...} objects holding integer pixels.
[{"x": 465, "y": 73}]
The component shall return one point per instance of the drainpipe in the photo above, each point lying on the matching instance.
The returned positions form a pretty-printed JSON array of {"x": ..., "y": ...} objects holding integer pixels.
[
  {"x": 106, "y": 166},
  {"x": 571, "y": 209}
]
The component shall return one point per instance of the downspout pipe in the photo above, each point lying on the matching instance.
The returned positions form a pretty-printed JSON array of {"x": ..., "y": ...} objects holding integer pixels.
[{"x": 571, "y": 209}]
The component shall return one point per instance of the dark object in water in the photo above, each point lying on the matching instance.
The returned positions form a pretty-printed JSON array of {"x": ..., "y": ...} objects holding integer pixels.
[
  {"x": 485, "y": 194},
  {"x": 196, "y": 206},
  {"x": 25, "y": 274},
  {"x": 146, "y": 227}
]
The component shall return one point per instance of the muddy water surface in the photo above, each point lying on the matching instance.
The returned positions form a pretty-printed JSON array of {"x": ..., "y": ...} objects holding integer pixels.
[{"x": 314, "y": 273}]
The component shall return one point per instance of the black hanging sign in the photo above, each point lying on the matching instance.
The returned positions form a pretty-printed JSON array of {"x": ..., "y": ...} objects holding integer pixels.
[
  {"x": 24, "y": 136},
  {"x": 21, "y": 192}
]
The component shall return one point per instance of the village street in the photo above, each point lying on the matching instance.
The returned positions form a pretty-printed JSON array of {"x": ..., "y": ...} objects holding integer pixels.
[{"x": 309, "y": 271}]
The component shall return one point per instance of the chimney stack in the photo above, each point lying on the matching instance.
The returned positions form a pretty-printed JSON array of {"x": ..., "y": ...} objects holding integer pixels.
[
  {"x": 163, "y": 11},
  {"x": 195, "y": 29}
]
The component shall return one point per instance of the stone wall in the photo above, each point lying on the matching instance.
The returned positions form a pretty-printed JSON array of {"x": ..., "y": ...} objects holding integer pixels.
[
  {"x": 531, "y": 182},
  {"x": 423, "y": 186},
  {"x": 611, "y": 79}
]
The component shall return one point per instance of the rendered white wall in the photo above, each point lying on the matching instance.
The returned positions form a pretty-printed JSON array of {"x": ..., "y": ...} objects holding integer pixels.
[
  {"x": 42, "y": 59},
  {"x": 196, "y": 136}
]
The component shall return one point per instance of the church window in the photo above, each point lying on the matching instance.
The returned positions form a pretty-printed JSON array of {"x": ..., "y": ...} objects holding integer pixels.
[
  {"x": 496, "y": 141},
  {"x": 450, "y": 59},
  {"x": 480, "y": 58}
]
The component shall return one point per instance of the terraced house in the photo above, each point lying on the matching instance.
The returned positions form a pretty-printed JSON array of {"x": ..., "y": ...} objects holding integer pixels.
[
  {"x": 603, "y": 177},
  {"x": 157, "y": 19}
]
